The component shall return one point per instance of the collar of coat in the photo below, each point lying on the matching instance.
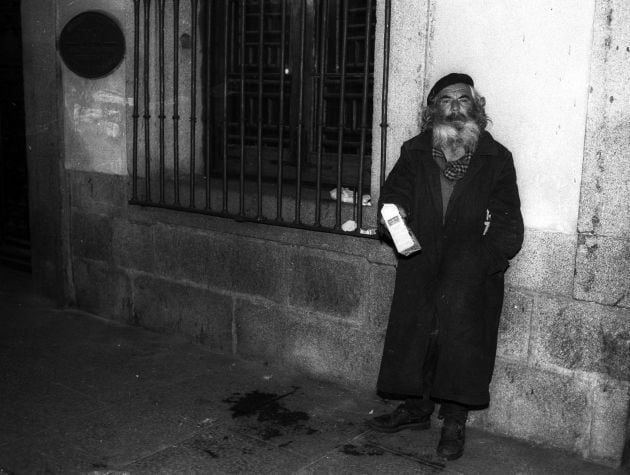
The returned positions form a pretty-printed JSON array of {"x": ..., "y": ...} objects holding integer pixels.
[
  {"x": 423, "y": 145},
  {"x": 485, "y": 146}
]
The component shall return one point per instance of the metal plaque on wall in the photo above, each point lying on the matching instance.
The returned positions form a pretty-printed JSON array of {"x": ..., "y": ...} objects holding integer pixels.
[{"x": 92, "y": 45}]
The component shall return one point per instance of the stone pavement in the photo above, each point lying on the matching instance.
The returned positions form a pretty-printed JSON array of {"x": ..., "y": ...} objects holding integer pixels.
[{"x": 79, "y": 394}]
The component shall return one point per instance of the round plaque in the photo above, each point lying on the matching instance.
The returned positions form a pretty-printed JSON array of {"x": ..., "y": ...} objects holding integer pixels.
[{"x": 92, "y": 45}]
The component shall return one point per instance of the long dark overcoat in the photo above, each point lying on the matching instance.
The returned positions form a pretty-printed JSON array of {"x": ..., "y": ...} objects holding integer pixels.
[{"x": 457, "y": 277}]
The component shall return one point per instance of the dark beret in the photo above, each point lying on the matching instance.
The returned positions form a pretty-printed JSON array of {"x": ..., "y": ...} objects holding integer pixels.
[{"x": 449, "y": 80}]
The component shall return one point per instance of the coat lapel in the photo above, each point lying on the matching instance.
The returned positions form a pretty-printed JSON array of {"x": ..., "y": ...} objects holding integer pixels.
[{"x": 430, "y": 170}]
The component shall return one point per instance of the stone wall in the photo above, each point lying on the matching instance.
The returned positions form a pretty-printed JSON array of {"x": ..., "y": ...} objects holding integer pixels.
[
  {"x": 320, "y": 301},
  {"x": 311, "y": 299}
]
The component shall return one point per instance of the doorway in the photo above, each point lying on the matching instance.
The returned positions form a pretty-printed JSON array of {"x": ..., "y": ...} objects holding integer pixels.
[{"x": 14, "y": 216}]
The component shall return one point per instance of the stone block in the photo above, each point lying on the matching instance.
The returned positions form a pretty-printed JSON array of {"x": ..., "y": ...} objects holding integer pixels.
[
  {"x": 514, "y": 326},
  {"x": 331, "y": 350},
  {"x": 328, "y": 283},
  {"x": 133, "y": 245},
  {"x": 185, "y": 254},
  {"x": 581, "y": 336},
  {"x": 545, "y": 263},
  {"x": 99, "y": 193},
  {"x": 102, "y": 289},
  {"x": 91, "y": 236},
  {"x": 370, "y": 248},
  {"x": 223, "y": 261},
  {"x": 605, "y": 187},
  {"x": 258, "y": 267},
  {"x": 538, "y": 406},
  {"x": 602, "y": 270},
  {"x": 200, "y": 314},
  {"x": 609, "y": 426},
  {"x": 379, "y": 294}
]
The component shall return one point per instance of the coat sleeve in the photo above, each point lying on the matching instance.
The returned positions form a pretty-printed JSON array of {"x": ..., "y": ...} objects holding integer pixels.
[
  {"x": 399, "y": 185},
  {"x": 505, "y": 234}
]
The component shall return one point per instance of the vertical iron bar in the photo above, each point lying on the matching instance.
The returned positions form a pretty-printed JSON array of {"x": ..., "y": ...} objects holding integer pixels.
[
  {"x": 320, "y": 109},
  {"x": 281, "y": 112},
  {"x": 209, "y": 132},
  {"x": 193, "y": 98},
  {"x": 226, "y": 56},
  {"x": 242, "y": 58},
  {"x": 337, "y": 29},
  {"x": 147, "y": 115},
  {"x": 176, "y": 100},
  {"x": 300, "y": 127},
  {"x": 342, "y": 98},
  {"x": 136, "y": 87},
  {"x": 261, "y": 26},
  {"x": 384, "y": 124},
  {"x": 161, "y": 92},
  {"x": 364, "y": 125}
]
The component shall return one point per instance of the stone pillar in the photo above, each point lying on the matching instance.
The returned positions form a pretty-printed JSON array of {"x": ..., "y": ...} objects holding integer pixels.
[
  {"x": 407, "y": 51},
  {"x": 44, "y": 148},
  {"x": 602, "y": 265}
]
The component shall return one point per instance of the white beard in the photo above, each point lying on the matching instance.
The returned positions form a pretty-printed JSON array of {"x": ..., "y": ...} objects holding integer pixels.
[{"x": 456, "y": 135}]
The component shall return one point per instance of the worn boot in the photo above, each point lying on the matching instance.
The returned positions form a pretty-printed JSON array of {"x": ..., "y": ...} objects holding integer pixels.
[
  {"x": 412, "y": 414},
  {"x": 451, "y": 445}
]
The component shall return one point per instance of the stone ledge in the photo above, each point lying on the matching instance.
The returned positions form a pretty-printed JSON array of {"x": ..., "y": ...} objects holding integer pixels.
[{"x": 370, "y": 249}]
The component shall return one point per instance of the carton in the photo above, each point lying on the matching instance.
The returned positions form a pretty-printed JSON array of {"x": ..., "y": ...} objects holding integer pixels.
[{"x": 404, "y": 239}]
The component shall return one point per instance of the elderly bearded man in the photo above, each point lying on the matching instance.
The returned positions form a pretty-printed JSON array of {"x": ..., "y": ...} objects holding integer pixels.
[{"x": 456, "y": 187}]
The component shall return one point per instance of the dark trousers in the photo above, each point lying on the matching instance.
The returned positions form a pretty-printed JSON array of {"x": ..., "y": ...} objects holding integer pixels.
[{"x": 449, "y": 410}]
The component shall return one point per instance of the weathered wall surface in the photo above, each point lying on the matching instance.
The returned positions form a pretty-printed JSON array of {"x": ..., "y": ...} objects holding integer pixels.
[
  {"x": 320, "y": 301},
  {"x": 317, "y": 301},
  {"x": 44, "y": 149},
  {"x": 94, "y": 110},
  {"x": 531, "y": 61}
]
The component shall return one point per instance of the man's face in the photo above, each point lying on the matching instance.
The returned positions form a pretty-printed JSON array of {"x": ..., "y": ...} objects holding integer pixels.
[{"x": 454, "y": 103}]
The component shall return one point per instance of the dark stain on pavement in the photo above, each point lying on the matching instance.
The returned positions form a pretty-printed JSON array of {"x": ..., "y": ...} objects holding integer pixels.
[
  {"x": 275, "y": 419},
  {"x": 351, "y": 449}
]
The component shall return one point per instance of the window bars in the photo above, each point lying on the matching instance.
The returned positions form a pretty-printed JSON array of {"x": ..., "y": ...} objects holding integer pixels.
[{"x": 283, "y": 90}]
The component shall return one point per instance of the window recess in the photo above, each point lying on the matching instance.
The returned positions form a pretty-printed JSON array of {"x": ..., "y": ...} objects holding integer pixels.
[{"x": 257, "y": 110}]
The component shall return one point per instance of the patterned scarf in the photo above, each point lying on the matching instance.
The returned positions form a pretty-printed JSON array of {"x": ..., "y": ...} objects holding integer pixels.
[{"x": 453, "y": 170}]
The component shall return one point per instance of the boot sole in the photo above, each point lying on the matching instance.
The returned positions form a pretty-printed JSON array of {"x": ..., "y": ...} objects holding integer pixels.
[{"x": 415, "y": 426}]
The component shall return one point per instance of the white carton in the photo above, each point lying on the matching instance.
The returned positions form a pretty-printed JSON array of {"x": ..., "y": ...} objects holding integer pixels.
[{"x": 404, "y": 239}]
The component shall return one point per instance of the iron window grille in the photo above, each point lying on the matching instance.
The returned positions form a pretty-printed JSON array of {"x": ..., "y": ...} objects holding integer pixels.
[{"x": 257, "y": 109}]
